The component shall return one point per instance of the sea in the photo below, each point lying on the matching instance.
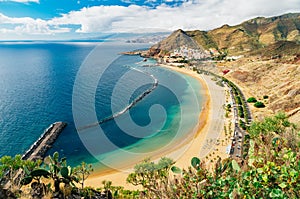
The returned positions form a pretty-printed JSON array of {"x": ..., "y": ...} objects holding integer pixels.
[{"x": 151, "y": 109}]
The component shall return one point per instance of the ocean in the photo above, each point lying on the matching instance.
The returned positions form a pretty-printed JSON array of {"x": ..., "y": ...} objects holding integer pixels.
[{"x": 82, "y": 83}]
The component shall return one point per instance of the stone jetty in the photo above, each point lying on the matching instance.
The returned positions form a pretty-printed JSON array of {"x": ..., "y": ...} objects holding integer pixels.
[{"x": 45, "y": 142}]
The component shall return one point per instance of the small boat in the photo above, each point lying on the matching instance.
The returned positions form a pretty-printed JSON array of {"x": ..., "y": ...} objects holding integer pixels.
[{"x": 145, "y": 60}]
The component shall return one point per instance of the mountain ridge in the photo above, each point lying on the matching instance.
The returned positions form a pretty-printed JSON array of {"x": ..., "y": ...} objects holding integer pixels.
[
  {"x": 248, "y": 36},
  {"x": 268, "y": 51}
]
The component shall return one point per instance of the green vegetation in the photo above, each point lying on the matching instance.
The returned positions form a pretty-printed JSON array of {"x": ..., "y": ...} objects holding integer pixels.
[
  {"x": 153, "y": 177},
  {"x": 228, "y": 107},
  {"x": 252, "y": 100},
  {"x": 242, "y": 124},
  {"x": 239, "y": 100},
  {"x": 228, "y": 110},
  {"x": 203, "y": 39},
  {"x": 51, "y": 177},
  {"x": 259, "y": 105},
  {"x": 221, "y": 56},
  {"x": 183, "y": 61},
  {"x": 82, "y": 172},
  {"x": 270, "y": 169}
]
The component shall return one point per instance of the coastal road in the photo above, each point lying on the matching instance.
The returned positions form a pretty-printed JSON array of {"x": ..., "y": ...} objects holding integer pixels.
[{"x": 216, "y": 126}]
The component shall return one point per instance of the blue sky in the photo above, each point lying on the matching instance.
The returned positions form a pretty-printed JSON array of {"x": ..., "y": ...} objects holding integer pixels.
[
  {"x": 60, "y": 19},
  {"x": 46, "y": 9}
]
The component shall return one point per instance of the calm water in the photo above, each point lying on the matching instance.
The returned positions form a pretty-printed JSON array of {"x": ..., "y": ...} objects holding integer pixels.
[{"x": 41, "y": 83}]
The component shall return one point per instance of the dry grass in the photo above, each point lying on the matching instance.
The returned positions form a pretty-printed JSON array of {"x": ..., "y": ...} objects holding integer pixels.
[{"x": 275, "y": 78}]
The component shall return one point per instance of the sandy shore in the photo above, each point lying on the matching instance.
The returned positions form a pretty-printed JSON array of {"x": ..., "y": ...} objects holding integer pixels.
[{"x": 203, "y": 143}]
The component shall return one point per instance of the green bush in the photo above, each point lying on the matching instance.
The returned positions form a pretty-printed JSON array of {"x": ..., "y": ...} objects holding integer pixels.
[
  {"x": 241, "y": 112},
  {"x": 228, "y": 106},
  {"x": 251, "y": 100},
  {"x": 259, "y": 105},
  {"x": 265, "y": 97},
  {"x": 271, "y": 169},
  {"x": 242, "y": 124},
  {"x": 238, "y": 100}
]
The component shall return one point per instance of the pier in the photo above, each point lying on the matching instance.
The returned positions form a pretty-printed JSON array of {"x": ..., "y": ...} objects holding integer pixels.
[{"x": 45, "y": 142}]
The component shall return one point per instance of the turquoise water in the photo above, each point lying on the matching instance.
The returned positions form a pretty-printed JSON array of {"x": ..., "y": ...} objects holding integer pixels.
[{"x": 82, "y": 83}]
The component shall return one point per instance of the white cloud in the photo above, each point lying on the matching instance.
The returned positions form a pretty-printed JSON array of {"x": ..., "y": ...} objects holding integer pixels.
[
  {"x": 196, "y": 14},
  {"x": 205, "y": 14},
  {"x": 23, "y": 1},
  {"x": 27, "y": 25}
]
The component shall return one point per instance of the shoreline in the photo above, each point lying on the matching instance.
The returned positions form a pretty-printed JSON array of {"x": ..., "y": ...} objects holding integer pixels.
[{"x": 186, "y": 149}]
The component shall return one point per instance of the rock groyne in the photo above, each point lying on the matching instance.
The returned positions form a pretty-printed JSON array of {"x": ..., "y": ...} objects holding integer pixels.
[
  {"x": 132, "y": 104},
  {"x": 45, "y": 142}
]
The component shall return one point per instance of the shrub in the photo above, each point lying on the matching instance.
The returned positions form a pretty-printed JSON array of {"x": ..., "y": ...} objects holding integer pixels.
[
  {"x": 271, "y": 168},
  {"x": 259, "y": 105},
  {"x": 251, "y": 100},
  {"x": 265, "y": 97},
  {"x": 238, "y": 100},
  {"x": 241, "y": 112},
  {"x": 228, "y": 106},
  {"x": 242, "y": 124}
]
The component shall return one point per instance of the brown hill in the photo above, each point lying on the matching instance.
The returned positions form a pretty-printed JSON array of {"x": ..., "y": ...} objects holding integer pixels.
[
  {"x": 274, "y": 78},
  {"x": 248, "y": 36},
  {"x": 174, "y": 41},
  {"x": 278, "y": 49},
  {"x": 271, "y": 63}
]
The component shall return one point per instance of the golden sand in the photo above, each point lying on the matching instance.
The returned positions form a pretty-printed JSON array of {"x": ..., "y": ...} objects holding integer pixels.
[{"x": 183, "y": 152}]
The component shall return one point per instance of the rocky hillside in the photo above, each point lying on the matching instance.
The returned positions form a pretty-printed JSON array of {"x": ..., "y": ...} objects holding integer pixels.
[
  {"x": 275, "y": 78},
  {"x": 271, "y": 59},
  {"x": 174, "y": 41},
  {"x": 246, "y": 37}
]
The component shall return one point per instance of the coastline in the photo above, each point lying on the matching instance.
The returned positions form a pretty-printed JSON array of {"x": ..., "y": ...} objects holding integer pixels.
[{"x": 186, "y": 149}]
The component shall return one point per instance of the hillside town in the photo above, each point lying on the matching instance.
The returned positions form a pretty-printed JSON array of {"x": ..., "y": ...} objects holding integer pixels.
[{"x": 190, "y": 53}]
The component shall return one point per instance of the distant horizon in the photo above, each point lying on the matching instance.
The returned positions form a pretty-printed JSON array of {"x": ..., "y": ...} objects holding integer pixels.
[
  {"x": 108, "y": 37},
  {"x": 100, "y": 37},
  {"x": 48, "y": 20}
]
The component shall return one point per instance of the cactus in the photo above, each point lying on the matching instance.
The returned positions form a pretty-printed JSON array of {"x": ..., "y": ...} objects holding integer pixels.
[
  {"x": 59, "y": 171},
  {"x": 40, "y": 173},
  {"x": 26, "y": 180},
  {"x": 36, "y": 174},
  {"x": 64, "y": 172}
]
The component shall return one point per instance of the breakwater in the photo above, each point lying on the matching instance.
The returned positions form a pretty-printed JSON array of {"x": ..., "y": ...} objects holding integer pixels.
[
  {"x": 132, "y": 104},
  {"x": 39, "y": 148}
]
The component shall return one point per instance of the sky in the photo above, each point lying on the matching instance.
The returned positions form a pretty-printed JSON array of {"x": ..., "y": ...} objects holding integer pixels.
[{"x": 67, "y": 19}]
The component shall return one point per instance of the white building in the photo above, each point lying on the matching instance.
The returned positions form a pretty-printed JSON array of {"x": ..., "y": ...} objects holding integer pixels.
[{"x": 189, "y": 53}]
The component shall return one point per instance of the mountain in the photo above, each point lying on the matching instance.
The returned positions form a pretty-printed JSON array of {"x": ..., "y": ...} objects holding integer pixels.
[
  {"x": 269, "y": 65},
  {"x": 174, "y": 41},
  {"x": 248, "y": 36}
]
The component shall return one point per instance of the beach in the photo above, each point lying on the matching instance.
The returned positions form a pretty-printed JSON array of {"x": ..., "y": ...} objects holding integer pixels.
[{"x": 202, "y": 144}]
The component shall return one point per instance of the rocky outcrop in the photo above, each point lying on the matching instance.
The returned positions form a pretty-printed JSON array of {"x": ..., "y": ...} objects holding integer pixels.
[{"x": 176, "y": 40}]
